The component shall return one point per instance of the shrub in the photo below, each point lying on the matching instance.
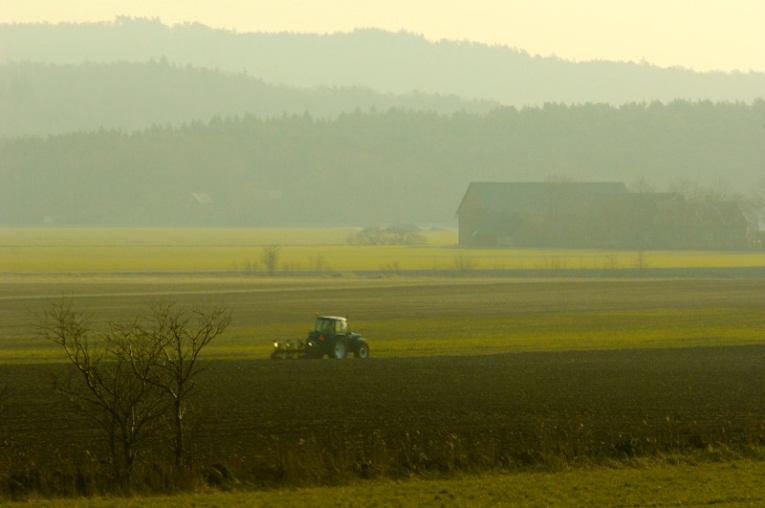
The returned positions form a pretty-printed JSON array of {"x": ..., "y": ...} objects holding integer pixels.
[{"x": 393, "y": 235}]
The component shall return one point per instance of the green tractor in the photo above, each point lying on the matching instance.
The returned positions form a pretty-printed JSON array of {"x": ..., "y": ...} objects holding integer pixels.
[{"x": 330, "y": 337}]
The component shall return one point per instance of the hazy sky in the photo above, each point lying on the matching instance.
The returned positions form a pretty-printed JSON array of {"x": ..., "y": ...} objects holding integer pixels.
[{"x": 702, "y": 34}]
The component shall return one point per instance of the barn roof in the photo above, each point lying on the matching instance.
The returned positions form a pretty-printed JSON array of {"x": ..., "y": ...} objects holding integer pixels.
[{"x": 509, "y": 196}]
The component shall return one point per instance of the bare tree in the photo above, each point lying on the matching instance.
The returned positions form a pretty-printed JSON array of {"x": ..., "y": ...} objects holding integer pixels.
[
  {"x": 753, "y": 208},
  {"x": 124, "y": 406},
  {"x": 759, "y": 202},
  {"x": 611, "y": 262},
  {"x": 270, "y": 258},
  {"x": 641, "y": 185},
  {"x": 164, "y": 352},
  {"x": 3, "y": 409},
  {"x": 694, "y": 191},
  {"x": 320, "y": 264},
  {"x": 464, "y": 263},
  {"x": 641, "y": 262}
]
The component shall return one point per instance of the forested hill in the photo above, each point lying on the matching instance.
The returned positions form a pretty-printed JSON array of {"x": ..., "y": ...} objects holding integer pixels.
[
  {"x": 40, "y": 99},
  {"x": 363, "y": 168},
  {"x": 384, "y": 61}
]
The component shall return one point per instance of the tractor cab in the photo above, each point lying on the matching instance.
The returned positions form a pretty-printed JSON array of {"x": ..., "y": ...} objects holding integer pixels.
[{"x": 331, "y": 326}]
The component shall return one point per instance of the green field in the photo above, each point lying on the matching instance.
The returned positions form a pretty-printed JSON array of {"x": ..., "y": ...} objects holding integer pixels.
[
  {"x": 733, "y": 484},
  {"x": 410, "y": 316},
  {"x": 117, "y": 273},
  {"x": 93, "y": 250}
]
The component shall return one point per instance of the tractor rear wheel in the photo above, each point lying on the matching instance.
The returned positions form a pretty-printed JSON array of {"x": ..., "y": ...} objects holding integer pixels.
[
  {"x": 362, "y": 350},
  {"x": 339, "y": 351}
]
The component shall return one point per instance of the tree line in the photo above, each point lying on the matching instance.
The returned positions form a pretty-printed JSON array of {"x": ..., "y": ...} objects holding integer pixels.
[
  {"x": 366, "y": 168},
  {"x": 43, "y": 99}
]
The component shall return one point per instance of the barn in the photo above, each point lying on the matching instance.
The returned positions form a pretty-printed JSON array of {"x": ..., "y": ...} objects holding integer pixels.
[{"x": 594, "y": 215}]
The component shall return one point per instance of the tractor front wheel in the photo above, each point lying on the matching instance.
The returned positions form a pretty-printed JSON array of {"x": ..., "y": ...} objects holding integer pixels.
[
  {"x": 362, "y": 350},
  {"x": 339, "y": 351}
]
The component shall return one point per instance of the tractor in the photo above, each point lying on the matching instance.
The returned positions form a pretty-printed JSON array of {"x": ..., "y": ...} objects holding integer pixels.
[{"x": 329, "y": 337}]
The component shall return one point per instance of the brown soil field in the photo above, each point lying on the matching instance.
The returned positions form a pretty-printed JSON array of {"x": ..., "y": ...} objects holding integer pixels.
[{"x": 322, "y": 421}]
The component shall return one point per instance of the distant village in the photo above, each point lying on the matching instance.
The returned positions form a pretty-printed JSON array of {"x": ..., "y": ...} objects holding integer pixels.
[{"x": 599, "y": 215}]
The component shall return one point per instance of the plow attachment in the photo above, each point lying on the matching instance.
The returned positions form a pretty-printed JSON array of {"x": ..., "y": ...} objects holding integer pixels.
[{"x": 288, "y": 350}]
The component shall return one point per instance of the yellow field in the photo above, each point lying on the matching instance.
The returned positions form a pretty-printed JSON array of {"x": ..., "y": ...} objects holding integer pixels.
[{"x": 94, "y": 250}]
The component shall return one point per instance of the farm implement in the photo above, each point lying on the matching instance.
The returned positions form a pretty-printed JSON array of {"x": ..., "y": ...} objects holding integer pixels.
[{"x": 330, "y": 337}]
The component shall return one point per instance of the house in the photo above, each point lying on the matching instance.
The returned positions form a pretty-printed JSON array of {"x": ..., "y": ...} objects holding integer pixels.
[{"x": 594, "y": 215}]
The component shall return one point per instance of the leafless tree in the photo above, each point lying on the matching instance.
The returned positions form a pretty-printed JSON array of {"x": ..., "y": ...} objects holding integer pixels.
[
  {"x": 164, "y": 352},
  {"x": 124, "y": 406},
  {"x": 464, "y": 263},
  {"x": 754, "y": 206},
  {"x": 3, "y": 407},
  {"x": 270, "y": 258},
  {"x": 320, "y": 264},
  {"x": 611, "y": 262},
  {"x": 641, "y": 261},
  {"x": 641, "y": 185},
  {"x": 696, "y": 192}
]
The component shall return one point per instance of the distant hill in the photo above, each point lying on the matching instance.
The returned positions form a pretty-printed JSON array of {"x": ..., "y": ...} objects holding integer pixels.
[
  {"x": 365, "y": 168},
  {"x": 41, "y": 99},
  {"x": 387, "y": 62}
]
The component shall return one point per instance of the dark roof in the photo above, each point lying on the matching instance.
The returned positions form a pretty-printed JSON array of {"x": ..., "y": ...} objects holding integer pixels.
[
  {"x": 510, "y": 196},
  {"x": 333, "y": 318}
]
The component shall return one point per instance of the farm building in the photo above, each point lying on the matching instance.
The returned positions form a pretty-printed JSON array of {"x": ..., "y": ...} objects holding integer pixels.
[{"x": 595, "y": 215}]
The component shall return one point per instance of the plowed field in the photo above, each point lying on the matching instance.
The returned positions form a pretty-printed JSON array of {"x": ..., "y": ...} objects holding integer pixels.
[{"x": 310, "y": 420}]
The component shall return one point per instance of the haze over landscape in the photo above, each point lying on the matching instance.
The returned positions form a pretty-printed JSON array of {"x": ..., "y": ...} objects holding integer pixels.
[
  {"x": 687, "y": 33},
  {"x": 308, "y": 114},
  {"x": 526, "y": 239}
]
